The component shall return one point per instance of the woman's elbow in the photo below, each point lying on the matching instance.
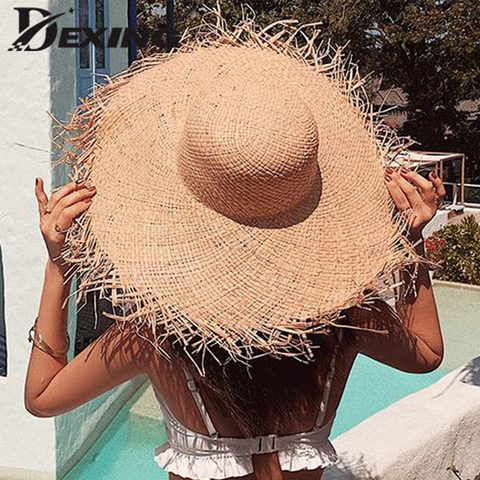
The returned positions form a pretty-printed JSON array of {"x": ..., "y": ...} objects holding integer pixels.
[
  {"x": 432, "y": 364},
  {"x": 33, "y": 409},
  {"x": 431, "y": 353}
]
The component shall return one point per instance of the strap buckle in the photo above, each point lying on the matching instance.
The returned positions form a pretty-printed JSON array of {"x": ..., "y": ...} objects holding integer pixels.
[{"x": 267, "y": 444}]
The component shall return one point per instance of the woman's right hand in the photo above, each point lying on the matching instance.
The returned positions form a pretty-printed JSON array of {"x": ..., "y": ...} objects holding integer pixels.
[
  {"x": 58, "y": 213},
  {"x": 411, "y": 192}
]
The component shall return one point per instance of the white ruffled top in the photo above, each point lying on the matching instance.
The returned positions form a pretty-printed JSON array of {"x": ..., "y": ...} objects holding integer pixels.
[
  {"x": 194, "y": 455},
  {"x": 204, "y": 457}
]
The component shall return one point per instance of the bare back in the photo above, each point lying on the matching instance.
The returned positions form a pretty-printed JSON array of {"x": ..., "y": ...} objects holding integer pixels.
[{"x": 169, "y": 380}]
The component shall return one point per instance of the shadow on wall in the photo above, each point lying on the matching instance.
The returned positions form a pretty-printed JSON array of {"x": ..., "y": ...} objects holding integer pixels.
[
  {"x": 3, "y": 329},
  {"x": 471, "y": 372},
  {"x": 349, "y": 472},
  {"x": 450, "y": 440}
]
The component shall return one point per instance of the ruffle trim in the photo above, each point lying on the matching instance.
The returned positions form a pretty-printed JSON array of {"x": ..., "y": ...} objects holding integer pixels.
[
  {"x": 303, "y": 456},
  {"x": 202, "y": 466},
  {"x": 225, "y": 464}
]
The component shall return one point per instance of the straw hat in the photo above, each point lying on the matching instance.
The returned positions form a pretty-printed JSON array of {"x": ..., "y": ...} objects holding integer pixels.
[{"x": 241, "y": 197}]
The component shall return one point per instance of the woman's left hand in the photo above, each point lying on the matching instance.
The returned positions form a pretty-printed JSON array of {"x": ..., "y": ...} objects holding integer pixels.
[
  {"x": 58, "y": 213},
  {"x": 411, "y": 191}
]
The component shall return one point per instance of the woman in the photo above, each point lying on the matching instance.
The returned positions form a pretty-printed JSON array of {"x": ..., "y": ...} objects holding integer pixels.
[
  {"x": 243, "y": 195},
  {"x": 54, "y": 386}
]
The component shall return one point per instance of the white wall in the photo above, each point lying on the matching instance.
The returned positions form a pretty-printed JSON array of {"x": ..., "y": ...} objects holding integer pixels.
[
  {"x": 77, "y": 430},
  {"x": 418, "y": 437},
  {"x": 32, "y": 83},
  {"x": 24, "y": 97},
  {"x": 118, "y": 18}
]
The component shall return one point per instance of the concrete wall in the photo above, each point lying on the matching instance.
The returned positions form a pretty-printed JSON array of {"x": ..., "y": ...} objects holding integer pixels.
[
  {"x": 25, "y": 154},
  {"x": 118, "y": 18},
  {"x": 63, "y": 88},
  {"x": 31, "y": 84},
  {"x": 422, "y": 436},
  {"x": 62, "y": 70},
  {"x": 76, "y": 431}
]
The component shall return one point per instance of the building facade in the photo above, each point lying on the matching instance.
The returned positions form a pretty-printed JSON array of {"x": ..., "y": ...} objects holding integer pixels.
[{"x": 34, "y": 83}]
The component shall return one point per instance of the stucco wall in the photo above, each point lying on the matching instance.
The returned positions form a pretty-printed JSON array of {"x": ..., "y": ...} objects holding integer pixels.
[
  {"x": 62, "y": 95},
  {"x": 419, "y": 437},
  {"x": 118, "y": 18},
  {"x": 25, "y": 147},
  {"x": 78, "y": 429},
  {"x": 31, "y": 84}
]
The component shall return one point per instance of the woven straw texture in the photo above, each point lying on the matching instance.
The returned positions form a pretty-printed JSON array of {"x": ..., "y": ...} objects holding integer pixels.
[{"x": 241, "y": 199}]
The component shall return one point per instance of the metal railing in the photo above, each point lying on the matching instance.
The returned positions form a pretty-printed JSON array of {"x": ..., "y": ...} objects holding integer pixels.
[{"x": 475, "y": 197}]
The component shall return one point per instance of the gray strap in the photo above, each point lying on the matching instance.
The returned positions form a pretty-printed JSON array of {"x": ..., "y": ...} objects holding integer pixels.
[
  {"x": 328, "y": 384},
  {"x": 201, "y": 406}
]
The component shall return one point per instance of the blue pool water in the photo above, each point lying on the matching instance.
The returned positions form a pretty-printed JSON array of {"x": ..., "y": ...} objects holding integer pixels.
[{"x": 126, "y": 448}]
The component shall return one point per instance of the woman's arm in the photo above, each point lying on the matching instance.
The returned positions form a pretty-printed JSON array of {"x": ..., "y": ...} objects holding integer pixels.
[
  {"x": 54, "y": 386},
  {"x": 414, "y": 339}
]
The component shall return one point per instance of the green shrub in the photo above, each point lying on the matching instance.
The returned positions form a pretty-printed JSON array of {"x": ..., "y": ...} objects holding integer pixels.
[{"x": 456, "y": 248}]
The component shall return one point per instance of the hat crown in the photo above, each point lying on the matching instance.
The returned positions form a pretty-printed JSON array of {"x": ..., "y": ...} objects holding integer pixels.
[{"x": 249, "y": 145}]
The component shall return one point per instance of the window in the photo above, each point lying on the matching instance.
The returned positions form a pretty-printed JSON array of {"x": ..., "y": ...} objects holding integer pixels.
[
  {"x": 100, "y": 23},
  {"x": 92, "y": 61},
  {"x": 84, "y": 22}
]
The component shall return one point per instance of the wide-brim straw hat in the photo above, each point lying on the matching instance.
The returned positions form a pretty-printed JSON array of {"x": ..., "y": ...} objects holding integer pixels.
[{"x": 240, "y": 191}]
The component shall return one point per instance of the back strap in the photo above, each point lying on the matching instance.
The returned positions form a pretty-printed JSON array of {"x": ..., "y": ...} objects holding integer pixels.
[
  {"x": 328, "y": 383},
  {"x": 192, "y": 385}
]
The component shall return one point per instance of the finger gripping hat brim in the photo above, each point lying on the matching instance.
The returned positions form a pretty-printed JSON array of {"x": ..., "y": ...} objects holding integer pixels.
[{"x": 207, "y": 224}]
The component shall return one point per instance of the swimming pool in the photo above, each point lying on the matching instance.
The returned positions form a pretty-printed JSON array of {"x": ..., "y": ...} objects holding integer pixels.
[{"x": 126, "y": 448}]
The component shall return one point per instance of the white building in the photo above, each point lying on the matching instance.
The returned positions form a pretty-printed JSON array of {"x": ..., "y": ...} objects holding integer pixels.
[{"x": 32, "y": 83}]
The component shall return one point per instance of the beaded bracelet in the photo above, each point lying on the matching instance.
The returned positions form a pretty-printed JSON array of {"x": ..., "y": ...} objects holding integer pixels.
[{"x": 42, "y": 345}]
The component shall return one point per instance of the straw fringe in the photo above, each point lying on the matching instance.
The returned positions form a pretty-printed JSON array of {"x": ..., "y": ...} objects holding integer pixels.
[{"x": 97, "y": 273}]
